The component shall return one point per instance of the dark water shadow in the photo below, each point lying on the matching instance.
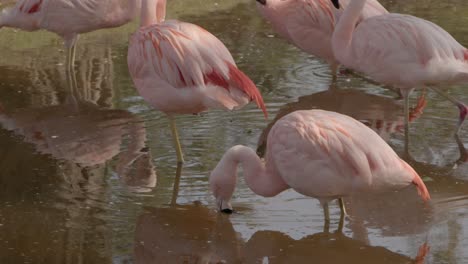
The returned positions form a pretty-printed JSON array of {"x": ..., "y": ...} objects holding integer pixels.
[{"x": 196, "y": 234}]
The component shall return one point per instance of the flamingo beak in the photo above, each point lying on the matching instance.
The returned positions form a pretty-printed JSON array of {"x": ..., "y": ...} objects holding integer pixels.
[
  {"x": 225, "y": 207},
  {"x": 336, "y": 3},
  {"x": 263, "y": 2}
]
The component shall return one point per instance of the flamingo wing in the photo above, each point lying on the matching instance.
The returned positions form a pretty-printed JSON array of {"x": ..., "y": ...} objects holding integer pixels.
[
  {"x": 326, "y": 154},
  {"x": 372, "y": 8},
  {"x": 399, "y": 42},
  {"x": 185, "y": 55},
  {"x": 29, "y": 6}
]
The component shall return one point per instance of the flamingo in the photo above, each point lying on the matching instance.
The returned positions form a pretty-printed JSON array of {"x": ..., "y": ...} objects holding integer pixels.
[
  {"x": 402, "y": 51},
  {"x": 68, "y": 18},
  {"x": 180, "y": 68},
  {"x": 309, "y": 24},
  {"x": 322, "y": 154}
]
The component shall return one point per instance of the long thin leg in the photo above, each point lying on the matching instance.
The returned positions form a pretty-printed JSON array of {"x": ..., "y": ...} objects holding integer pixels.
[
  {"x": 175, "y": 135},
  {"x": 461, "y": 147},
  {"x": 334, "y": 71},
  {"x": 462, "y": 108},
  {"x": 326, "y": 213},
  {"x": 343, "y": 214},
  {"x": 342, "y": 207},
  {"x": 175, "y": 191},
  {"x": 70, "y": 44},
  {"x": 406, "y": 93}
]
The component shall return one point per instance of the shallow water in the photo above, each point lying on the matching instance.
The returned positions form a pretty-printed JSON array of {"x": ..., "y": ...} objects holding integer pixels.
[{"x": 74, "y": 175}]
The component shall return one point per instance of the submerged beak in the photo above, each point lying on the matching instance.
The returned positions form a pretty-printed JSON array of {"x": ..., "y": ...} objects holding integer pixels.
[
  {"x": 336, "y": 3},
  {"x": 225, "y": 207},
  {"x": 263, "y": 2}
]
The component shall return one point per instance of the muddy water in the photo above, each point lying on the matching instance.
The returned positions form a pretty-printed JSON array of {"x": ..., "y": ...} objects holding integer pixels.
[{"x": 78, "y": 168}]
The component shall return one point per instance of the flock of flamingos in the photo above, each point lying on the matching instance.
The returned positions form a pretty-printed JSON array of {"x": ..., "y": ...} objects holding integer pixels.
[{"x": 181, "y": 68}]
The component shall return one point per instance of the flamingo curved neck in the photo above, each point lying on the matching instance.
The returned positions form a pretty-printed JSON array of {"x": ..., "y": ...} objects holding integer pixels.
[
  {"x": 258, "y": 177},
  {"x": 343, "y": 34},
  {"x": 152, "y": 12}
]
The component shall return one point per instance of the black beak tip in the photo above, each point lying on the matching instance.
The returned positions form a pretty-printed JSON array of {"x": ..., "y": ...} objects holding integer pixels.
[
  {"x": 227, "y": 211},
  {"x": 263, "y": 2},
  {"x": 336, "y": 3}
]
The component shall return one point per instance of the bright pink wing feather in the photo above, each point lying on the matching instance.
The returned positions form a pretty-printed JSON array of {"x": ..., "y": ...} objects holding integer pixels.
[
  {"x": 241, "y": 81},
  {"x": 30, "y": 6},
  {"x": 185, "y": 55}
]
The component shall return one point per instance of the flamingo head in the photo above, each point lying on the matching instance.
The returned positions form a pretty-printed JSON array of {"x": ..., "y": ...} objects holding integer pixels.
[
  {"x": 336, "y": 3},
  {"x": 263, "y": 2},
  {"x": 223, "y": 183},
  {"x": 222, "y": 191}
]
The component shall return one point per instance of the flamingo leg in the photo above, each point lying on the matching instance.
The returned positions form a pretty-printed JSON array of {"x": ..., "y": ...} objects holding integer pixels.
[
  {"x": 342, "y": 207},
  {"x": 326, "y": 213},
  {"x": 341, "y": 223},
  {"x": 175, "y": 191},
  {"x": 70, "y": 44},
  {"x": 334, "y": 71},
  {"x": 461, "y": 107},
  {"x": 406, "y": 93},
  {"x": 175, "y": 135}
]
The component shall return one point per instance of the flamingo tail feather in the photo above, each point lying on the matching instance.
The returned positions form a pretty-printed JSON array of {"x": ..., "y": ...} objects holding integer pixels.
[{"x": 244, "y": 83}]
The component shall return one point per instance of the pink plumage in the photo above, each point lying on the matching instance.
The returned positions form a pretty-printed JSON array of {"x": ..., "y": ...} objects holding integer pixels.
[
  {"x": 400, "y": 50},
  {"x": 317, "y": 153},
  {"x": 309, "y": 24},
  {"x": 180, "y": 68},
  {"x": 68, "y": 18}
]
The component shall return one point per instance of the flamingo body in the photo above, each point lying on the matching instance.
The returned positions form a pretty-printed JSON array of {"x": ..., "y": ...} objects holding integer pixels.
[
  {"x": 328, "y": 155},
  {"x": 180, "y": 68},
  {"x": 404, "y": 51},
  {"x": 68, "y": 18},
  {"x": 309, "y": 24},
  {"x": 400, "y": 50},
  {"x": 317, "y": 153}
]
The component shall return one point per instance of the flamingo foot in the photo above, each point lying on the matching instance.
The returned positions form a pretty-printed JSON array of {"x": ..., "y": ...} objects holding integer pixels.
[{"x": 463, "y": 112}]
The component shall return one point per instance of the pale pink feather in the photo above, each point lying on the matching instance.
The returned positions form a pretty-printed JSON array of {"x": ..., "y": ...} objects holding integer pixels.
[
  {"x": 328, "y": 155},
  {"x": 400, "y": 50},
  {"x": 67, "y": 18},
  {"x": 309, "y": 24}
]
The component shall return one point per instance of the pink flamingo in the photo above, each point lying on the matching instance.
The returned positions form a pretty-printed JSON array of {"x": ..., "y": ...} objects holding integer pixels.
[
  {"x": 321, "y": 154},
  {"x": 68, "y": 18},
  {"x": 400, "y": 50},
  {"x": 180, "y": 68},
  {"x": 309, "y": 24}
]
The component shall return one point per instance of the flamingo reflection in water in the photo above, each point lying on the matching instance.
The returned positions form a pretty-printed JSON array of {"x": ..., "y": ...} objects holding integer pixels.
[
  {"x": 84, "y": 132},
  {"x": 56, "y": 159},
  {"x": 193, "y": 233}
]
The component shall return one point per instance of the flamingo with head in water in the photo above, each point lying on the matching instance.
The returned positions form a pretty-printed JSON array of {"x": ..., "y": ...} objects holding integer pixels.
[
  {"x": 309, "y": 24},
  {"x": 400, "y": 50},
  {"x": 317, "y": 153},
  {"x": 180, "y": 68},
  {"x": 68, "y": 18}
]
